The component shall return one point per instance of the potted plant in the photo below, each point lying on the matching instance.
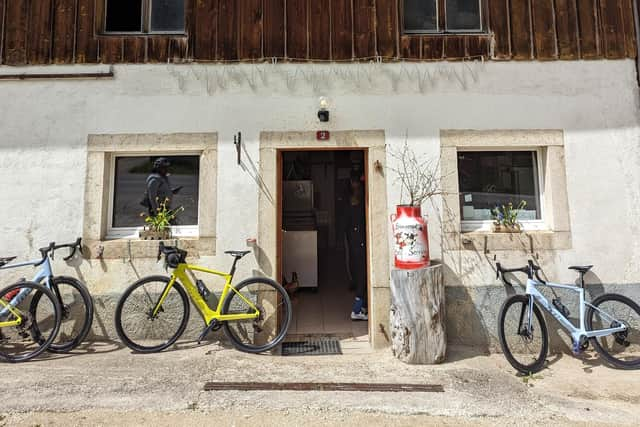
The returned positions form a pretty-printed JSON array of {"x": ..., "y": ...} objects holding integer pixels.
[
  {"x": 505, "y": 217},
  {"x": 419, "y": 181},
  {"x": 158, "y": 226}
]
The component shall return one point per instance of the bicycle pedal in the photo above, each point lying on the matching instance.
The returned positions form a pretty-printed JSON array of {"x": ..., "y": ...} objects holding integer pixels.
[{"x": 214, "y": 325}]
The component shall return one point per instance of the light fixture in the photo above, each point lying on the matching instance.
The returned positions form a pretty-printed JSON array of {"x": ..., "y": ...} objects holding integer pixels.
[{"x": 323, "y": 113}]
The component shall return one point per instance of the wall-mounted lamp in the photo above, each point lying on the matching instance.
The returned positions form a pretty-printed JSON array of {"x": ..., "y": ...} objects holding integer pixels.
[{"x": 323, "y": 113}]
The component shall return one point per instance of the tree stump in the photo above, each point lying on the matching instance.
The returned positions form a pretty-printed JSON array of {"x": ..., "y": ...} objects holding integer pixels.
[{"x": 418, "y": 334}]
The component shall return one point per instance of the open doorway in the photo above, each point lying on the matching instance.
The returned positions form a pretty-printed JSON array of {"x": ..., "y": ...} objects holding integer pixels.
[{"x": 323, "y": 213}]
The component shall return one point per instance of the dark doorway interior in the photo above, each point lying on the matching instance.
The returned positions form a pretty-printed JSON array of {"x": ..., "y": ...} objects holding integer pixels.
[{"x": 316, "y": 195}]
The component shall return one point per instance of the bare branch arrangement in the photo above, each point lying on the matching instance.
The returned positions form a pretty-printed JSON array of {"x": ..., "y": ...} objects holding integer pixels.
[{"x": 419, "y": 177}]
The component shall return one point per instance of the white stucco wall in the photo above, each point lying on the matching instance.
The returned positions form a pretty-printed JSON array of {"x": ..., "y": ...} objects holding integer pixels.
[{"x": 44, "y": 127}]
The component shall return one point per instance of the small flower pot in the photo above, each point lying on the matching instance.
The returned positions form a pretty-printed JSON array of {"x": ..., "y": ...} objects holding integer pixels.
[
  {"x": 500, "y": 228},
  {"x": 155, "y": 235}
]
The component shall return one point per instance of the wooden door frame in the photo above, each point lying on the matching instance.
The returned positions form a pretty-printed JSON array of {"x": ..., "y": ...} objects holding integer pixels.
[{"x": 279, "y": 172}]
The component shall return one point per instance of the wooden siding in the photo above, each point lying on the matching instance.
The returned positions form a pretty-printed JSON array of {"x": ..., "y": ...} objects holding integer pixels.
[{"x": 66, "y": 31}]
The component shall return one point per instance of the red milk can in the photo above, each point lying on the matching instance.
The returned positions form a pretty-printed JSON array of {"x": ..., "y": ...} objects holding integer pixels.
[{"x": 411, "y": 239}]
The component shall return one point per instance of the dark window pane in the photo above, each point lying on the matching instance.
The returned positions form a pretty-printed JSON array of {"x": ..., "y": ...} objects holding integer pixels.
[
  {"x": 463, "y": 15},
  {"x": 494, "y": 178},
  {"x": 167, "y": 15},
  {"x": 420, "y": 15},
  {"x": 124, "y": 16},
  {"x": 131, "y": 179}
]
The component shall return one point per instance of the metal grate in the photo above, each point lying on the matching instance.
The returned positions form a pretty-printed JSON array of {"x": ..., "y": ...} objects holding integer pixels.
[
  {"x": 313, "y": 347},
  {"x": 375, "y": 387}
]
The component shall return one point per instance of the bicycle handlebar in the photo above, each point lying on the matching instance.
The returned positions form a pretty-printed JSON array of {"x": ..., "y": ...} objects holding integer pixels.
[
  {"x": 75, "y": 246},
  {"x": 531, "y": 270}
]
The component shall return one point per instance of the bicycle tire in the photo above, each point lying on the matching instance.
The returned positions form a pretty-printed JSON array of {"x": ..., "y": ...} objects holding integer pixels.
[
  {"x": 66, "y": 342},
  {"x": 137, "y": 346},
  {"x": 284, "y": 324},
  {"x": 36, "y": 336},
  {"x": 540, "y": 359},
  {"x": 605, "y": 353}
]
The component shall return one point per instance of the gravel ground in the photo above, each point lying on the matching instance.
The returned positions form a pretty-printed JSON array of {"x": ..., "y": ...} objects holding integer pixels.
[{"x": 108, "y": 385}]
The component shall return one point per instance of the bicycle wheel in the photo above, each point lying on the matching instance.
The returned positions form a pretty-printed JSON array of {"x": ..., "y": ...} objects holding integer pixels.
[
  {"x": 270, "y": 328},
  {"x": 525, "y": 351},
  {"x": 76, "y": 305},
  {"x": 135, "y": 324},
  {"x": 19, "y": 340},
  {"x": 621, "y": 349}
]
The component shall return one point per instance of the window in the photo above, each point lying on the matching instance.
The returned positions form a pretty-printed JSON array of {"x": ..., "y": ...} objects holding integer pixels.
[
  {"x": 426, "y": 16},
  {"x": 135, "y": 177},
  {"x": 489, "y": 179},
  {"x": 144, "y": 16}
]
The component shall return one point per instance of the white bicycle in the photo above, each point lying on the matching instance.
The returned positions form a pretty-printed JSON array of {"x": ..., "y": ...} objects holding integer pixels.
[{"x": 611, "y": 323}]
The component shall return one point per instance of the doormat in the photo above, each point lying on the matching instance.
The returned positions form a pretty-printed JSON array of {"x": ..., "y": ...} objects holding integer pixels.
[
  {"x": 312, "y": 347},
  {"x": 365, "y": 387}
]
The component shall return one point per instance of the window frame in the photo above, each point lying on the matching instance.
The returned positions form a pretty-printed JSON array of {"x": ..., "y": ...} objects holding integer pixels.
[
  {"x": 145, "y": 23},
  {"x": 527, "y": 225},
  {"x": 441, "y": 21},
  {"x": 133, "y": 232}
]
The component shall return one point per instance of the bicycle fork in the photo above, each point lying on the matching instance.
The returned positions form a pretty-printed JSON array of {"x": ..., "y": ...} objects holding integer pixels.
[{"x": 528, "y": 312}]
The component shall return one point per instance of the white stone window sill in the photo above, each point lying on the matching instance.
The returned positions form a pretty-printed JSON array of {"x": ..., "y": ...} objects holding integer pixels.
[
  {"x": 131, "y": 248},
  {"x": 525, "y": 240}
]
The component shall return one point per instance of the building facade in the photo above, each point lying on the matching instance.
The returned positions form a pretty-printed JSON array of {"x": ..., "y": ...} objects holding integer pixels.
[{"x": 533, "y": 101}]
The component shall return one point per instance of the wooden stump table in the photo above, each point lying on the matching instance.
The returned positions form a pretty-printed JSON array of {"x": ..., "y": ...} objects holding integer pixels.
[{"x": 418, "y": 334}]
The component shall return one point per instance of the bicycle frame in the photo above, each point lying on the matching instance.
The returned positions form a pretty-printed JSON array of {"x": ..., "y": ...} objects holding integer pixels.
[
  {"x": 180, "y": 274},
  {"x": 576, "y": 332},
  {"x": 44, "y": 273}
]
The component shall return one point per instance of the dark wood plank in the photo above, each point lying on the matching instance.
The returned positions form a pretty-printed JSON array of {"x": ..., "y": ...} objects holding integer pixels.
[
  {"x": 15, "y": 41},
  {"x": 588, "y": 24},
  {"x": 2, "y": 10},
  {"x": 342, "y": 31},
  {"x": 410, "y": 47},
  {"x": 386, "y": 28},
  {"x": 111, "y": 49},
  {"x": 297, "y": 32},
  {"x": 612, "y": 28},
  {"x": 544, "y": 30},
  {"x": 64, "y": 30},
  {"x": 320, "y": 29},
  {"x": 251, "y": 29},
  {"x": 567, "y": 28},
  {"x": 478, "y": 47},
  {"x": 274, "y": 31},
  {"x": 178, "y": 49},
  {"x": 135, "y": 50},
  {"x": 499, "y": 26},
  {"x": 86, "y": 41},
  {"x": 432, "y": 47},
  {"x": 521, "y": 41},
  {"x": 206, "y": 29},
  {"x": 228, "y": 30},
  {"x": 629, "y": 28},
  {"x": 364, "y": 28},
  {"x": 158, "y": 49},
  {"x": 39, "y": 34},
  {"x": 455, "y": 48}
]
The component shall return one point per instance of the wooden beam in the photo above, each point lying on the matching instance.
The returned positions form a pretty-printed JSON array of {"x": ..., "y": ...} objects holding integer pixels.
[
  {"x": 135, "y": 49},
  {"x": 364, "y": 25},
  {"x": 15, "y": 42},
  {"x": 387, "y": 31},
  {"x": 206, "y": 30},
  {"x": 544, "y": 29},
  {"x": 499, "y": 27},
  {"x": 86, "y": 45},
  {"x": 251, "y": 29},
  {"x": 320, "y": 29},
  {"x": 228, "y": 40},
  {"x": 567, "y": 28},
  {"x": 39, "y": 33},
  {"x": 64, "y": 31},
  {"x": 588, "y": 23},
  {"x": 158, "y": 49},
  {"x": 111, "y": 49},
  {"x": 432, "y": 47},
  {"x": 521, "y": 40},
  {"x": 612, "y": 29},
  {"x": 297, "y": 30},
  {"x": 342, "y": 29},
  {"x": 274, "y": 28},
  {"x": 2, "y": 16}
]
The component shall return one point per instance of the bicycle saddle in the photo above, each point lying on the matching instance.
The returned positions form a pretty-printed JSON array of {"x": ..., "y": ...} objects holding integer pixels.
[
  {"x": 4, "y": 261},
  {"x": 237, "y": 254},
  {"x": 581, "y": 268}
]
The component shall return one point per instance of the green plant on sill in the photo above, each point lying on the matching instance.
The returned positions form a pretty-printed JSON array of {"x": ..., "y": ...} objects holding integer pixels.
[
  {"x": 162, "y": 220},
  {"x": 507, "y": 215}
]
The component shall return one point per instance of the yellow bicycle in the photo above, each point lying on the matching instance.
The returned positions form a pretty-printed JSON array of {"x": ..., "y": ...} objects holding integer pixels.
[{"x": 154, "y": 311}]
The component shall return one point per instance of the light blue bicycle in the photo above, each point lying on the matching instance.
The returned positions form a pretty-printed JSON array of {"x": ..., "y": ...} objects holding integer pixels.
[
  {"x": 49, "y": 312},
  {"x": 611, "y": 322}
]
